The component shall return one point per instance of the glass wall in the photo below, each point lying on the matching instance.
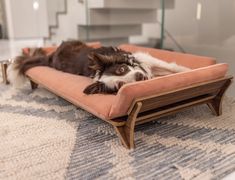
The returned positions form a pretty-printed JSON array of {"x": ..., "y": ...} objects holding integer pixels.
[{"x": 203, "y": 27}]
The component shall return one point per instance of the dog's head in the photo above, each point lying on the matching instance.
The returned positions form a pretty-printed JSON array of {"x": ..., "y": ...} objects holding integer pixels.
[{"x": 113, "y": 71}]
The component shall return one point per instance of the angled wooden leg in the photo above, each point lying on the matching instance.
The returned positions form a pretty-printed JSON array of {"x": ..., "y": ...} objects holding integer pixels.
[
  {"x": 33, "y": 85},
  {"x": 126, "y": 132},
  {"x": 216, "y": 104},
  {"x": 4, "y": 73}
]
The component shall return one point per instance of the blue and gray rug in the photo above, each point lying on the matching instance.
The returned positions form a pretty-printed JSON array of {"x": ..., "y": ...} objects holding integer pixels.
[{"x": 45, "y": 137}]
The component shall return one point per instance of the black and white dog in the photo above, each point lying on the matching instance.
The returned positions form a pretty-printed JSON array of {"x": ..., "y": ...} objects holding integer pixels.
[{"x": 109, "y": 67}]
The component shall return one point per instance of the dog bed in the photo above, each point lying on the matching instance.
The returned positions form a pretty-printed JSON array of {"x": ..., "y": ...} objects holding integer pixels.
[{"x": 143, "y": 101}]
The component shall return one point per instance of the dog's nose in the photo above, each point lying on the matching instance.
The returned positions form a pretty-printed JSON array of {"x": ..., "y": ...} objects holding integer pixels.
[{"x": 139, "y": 76}]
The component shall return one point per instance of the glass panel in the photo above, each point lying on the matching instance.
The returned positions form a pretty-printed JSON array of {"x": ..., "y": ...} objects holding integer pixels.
[{"x": 203, "y": 27}]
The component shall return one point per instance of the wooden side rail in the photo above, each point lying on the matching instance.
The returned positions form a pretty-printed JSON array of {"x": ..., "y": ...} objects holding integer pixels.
[{"x": 150, "y": 108}]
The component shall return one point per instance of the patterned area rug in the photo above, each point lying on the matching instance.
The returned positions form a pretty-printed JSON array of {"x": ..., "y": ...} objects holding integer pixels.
[{"x": 45, "y": 137}]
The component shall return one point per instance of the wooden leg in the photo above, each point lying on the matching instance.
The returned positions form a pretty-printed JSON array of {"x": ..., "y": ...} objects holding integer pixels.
[
  {"x": 33, "y": 85},
  {"x": 126, "y": 132},
  {"x": 4, "y": 73},
  {"x": 216, "y": 104}
]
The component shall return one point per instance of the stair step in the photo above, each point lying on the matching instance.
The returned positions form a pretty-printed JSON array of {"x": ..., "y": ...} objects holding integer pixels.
[
  {"x": 129, "y": 4},
  {"x": 121, "y": 16},
  {"x": 101, "y": 14},
  {"x": 55, "y": 7},
  {"x": 107, "y": 32}
]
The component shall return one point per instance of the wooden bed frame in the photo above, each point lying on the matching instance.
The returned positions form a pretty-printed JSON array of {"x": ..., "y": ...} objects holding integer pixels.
[{"x": 150, "y": 108}]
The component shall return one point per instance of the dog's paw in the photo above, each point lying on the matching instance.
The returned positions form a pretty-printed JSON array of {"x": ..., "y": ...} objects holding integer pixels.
[
  {"x": 98, "y": 88},
  {"x": 95, "y": 88}
]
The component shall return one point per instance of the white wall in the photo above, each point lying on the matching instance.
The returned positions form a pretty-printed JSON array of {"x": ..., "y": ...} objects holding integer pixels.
[
  {"x": 53, "y": 7},
  {"x": 25, "y": 22}
]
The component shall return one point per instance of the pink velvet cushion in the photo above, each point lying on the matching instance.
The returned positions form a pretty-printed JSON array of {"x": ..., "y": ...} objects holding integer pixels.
[
  {"x": 71, "y": 87},
  {"x": 188, "y": 60}
]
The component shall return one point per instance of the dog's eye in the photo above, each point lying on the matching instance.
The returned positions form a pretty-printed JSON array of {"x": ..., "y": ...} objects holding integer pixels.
[{"x": 121, "y": 70}]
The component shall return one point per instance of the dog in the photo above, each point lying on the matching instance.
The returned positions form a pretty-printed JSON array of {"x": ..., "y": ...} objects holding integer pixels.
[{"x": 109, "y": 67}]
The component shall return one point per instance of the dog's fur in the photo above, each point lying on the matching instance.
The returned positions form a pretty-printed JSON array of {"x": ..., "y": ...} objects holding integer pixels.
[{"x": 110, "y": 67}]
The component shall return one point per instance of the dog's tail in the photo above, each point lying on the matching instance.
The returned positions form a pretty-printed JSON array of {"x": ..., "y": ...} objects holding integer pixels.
[{"x": 16, "y": 70}]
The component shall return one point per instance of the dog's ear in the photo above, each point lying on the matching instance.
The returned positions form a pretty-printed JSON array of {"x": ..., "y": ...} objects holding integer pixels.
[
  {"x": 98, "y": 88},
  {"x": 117, "y": 57},
  {"x": 104, "y": 59},
  {"x": 94, "y": 63}
]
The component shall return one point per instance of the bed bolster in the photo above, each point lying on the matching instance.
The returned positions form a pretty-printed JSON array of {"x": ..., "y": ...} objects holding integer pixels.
[
  {"x": 159, "y": 85},
  {"x": 188, "y": 60}
]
